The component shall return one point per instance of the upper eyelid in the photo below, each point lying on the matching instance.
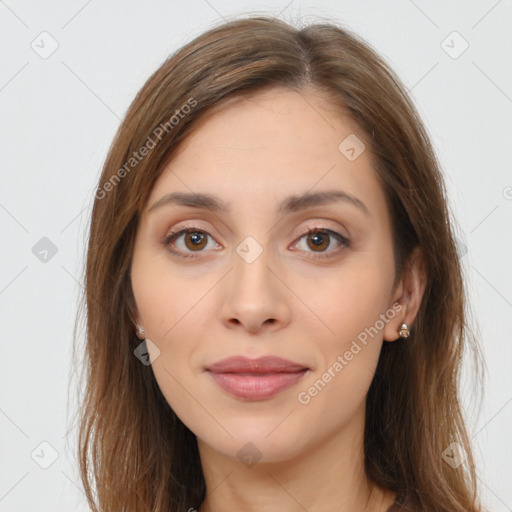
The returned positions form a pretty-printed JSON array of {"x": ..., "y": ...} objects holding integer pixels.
[
  {"x": 181, "y": 229},
  {"x": 315, "y": 224}
]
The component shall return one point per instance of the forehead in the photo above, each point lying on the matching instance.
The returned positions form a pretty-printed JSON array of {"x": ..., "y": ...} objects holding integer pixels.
[{"x": 272, "y": 144}]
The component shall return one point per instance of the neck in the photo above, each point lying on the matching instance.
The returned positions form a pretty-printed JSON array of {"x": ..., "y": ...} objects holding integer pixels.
[{"x": 326, "y": 477}]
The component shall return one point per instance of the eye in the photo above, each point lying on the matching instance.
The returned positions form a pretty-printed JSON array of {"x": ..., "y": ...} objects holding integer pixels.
[
  {"x": 187, "y": 240},
  {"x": 319, "y": 240}
]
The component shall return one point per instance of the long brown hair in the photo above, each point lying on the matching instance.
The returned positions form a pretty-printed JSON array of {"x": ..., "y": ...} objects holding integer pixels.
[{"x": 135, "y": 454}]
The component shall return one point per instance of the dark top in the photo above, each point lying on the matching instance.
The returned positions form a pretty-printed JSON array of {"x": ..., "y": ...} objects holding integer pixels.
[{"x": 400, "y": 505}]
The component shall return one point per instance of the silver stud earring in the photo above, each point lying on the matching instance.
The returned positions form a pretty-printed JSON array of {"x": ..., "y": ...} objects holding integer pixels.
[
  {"x": 403, "y": 332},
  {"x": 140, "y": 331}
]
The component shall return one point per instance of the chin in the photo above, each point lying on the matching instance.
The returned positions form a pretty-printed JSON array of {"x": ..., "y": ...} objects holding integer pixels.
[{"x": 250, "y": 451}]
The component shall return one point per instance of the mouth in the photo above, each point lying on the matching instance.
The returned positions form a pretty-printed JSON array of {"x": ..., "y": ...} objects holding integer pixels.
[{"x": 256, "y": 379}]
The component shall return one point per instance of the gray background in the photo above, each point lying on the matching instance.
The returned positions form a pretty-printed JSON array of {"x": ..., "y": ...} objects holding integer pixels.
[{"x": 60, "y": 113}]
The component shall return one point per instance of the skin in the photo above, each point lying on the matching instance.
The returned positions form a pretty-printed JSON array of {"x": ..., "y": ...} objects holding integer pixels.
[{"x": 252, "y": 154}]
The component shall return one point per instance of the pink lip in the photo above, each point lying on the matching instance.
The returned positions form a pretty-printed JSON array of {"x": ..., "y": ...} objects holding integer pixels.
[{"x": 256, "y": 379}]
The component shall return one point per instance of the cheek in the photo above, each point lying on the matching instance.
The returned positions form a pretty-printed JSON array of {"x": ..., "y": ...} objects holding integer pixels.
[
  {"x": 173, "y": 309},
  {"x": 353, "y": 305},
  {"x": 336, "y": 391},
  {"x": 352, "y": 299},
  {"x": 164, "y": 297}
]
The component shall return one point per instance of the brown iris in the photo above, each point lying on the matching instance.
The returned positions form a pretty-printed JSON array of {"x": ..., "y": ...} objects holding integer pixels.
[
  {"x": 197, "y": 240},
  {"x": 319, "y": 241}
]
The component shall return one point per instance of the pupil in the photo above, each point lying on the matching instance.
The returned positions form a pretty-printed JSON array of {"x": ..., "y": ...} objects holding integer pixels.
[{"x": 196, "y": 237}]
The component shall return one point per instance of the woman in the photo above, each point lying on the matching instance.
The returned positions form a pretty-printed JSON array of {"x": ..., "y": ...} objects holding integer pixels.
[{"x": 275, "y": 305}]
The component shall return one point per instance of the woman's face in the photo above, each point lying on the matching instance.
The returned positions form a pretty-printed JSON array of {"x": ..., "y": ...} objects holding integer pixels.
[{"x": 247, "y": 280}]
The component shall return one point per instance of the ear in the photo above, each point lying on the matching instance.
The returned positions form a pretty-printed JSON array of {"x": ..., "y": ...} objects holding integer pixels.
[{"x": 408, "y": 294}]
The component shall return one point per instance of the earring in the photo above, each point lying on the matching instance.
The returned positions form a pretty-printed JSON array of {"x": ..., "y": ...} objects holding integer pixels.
[
  {"x": 403, "y": 332},
  {"x": 140, "y": 331}
]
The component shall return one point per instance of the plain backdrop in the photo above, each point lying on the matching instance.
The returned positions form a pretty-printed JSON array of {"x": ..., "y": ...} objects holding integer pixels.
[{"x": 68, "y": 72}]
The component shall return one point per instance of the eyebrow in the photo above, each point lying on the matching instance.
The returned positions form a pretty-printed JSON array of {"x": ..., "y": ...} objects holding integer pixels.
[{"x": 290, "y": 204}]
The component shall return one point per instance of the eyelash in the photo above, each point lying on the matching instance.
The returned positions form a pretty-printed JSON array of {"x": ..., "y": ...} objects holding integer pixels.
[{"x": 309, "y": 230}]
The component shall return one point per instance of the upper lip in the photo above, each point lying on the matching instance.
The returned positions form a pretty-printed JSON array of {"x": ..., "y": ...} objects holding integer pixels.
[{"x": 264, "y": 364}]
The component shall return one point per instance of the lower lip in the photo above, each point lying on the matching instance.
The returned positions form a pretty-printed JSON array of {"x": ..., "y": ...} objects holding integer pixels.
[{"x": 252, "y": 387}]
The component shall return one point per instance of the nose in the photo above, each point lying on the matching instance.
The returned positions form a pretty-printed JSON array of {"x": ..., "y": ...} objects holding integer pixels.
[{"x": 254, "y": 297}]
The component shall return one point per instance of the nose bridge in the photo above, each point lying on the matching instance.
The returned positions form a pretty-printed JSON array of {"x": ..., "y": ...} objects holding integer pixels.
[
  {"x": 251, "y": 274},
  {"x": 253, "y": 295}
]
